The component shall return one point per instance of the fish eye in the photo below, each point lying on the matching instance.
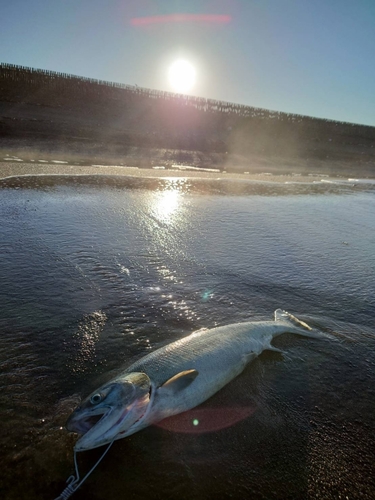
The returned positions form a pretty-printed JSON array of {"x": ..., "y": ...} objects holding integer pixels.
[{"x": 95, "y": 399}]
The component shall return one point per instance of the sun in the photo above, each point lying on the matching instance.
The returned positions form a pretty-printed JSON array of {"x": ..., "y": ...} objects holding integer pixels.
[{"x": 182, "y": 76}]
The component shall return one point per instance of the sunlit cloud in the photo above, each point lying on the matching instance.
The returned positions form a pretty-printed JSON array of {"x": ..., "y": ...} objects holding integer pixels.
[{"x": 182, "y": 18}]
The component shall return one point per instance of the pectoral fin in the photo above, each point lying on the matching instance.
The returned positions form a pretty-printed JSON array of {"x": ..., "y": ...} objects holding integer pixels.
[
  {"x": 247, "y": 358},
  {"x": 274, "y": 349},
  {"x": 180, "y": 381}
]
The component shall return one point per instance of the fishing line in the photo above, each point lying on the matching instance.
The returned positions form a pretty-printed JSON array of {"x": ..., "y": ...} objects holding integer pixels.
[{"x": 73, "y": 480}]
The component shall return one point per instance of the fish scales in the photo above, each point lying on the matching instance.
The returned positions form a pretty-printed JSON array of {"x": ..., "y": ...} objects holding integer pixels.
[
  {"x": 205, "y": 351},
  {"x": 175, "y": 378}
]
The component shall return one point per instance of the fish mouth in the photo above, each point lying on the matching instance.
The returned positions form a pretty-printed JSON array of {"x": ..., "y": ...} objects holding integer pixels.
[
  {"x": 116, "y": 410},
  {"x": 101, "y": 428},
  {"x": 88, "y": 423},
  {"x": 82, "y": 424}
]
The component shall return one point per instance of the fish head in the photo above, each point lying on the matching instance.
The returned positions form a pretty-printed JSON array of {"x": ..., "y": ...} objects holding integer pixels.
[{"x": 114, "y": 410}]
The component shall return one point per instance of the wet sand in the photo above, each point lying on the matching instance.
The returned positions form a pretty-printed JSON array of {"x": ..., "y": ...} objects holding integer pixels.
[{"x": 20, "y": 168}]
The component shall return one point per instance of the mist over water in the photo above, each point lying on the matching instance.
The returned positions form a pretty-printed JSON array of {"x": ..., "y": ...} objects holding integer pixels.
[{"x": 95, "y": 275}]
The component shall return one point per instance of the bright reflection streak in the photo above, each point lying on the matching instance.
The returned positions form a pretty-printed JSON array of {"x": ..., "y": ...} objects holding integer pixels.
[
  {"x": 167, "y": 204},
  {"x": 87, "y": 335}
]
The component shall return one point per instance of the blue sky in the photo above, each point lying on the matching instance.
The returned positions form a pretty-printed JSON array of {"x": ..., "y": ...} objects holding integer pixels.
[{"x": 312, "y": 57}]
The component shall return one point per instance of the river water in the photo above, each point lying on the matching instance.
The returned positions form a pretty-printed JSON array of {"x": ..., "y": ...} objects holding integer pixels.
[{"x": 97, "y": 272}]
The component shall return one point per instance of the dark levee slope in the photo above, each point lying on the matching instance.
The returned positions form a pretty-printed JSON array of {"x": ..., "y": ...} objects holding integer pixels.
[{"x": 49, "y": 113}]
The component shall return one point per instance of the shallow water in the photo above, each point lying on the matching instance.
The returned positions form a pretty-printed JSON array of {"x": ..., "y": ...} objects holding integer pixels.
[{"x": 95, "y": 275}]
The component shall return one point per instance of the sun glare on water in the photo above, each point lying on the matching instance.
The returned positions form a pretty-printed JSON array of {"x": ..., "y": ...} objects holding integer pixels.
[{"x": 182, "y": 76}]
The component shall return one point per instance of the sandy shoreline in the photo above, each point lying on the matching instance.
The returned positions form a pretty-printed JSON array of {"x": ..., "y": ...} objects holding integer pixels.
[{"x": 16, "y": 169}]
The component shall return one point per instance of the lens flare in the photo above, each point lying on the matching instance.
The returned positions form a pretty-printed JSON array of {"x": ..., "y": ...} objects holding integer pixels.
[{"x": 181, "y": 18}]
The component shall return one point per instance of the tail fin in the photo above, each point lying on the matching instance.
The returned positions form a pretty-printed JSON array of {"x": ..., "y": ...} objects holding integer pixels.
[{"x": 297, "y": 326}]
